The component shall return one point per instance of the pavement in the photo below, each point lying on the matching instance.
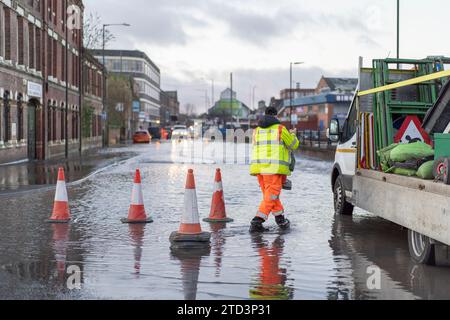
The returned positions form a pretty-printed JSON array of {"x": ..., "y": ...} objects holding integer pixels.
[{"x": 25, "y": 176}]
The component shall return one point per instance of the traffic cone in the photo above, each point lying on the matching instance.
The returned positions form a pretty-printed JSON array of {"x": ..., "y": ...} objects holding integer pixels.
[
  {"x": 190, "y": 234},
  {"x": 136, "y": 213},
  {"x": 61, "y": 211},
  {"x": 218, "y": 212}
]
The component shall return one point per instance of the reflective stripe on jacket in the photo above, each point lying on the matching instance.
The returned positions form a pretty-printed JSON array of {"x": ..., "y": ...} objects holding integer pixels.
[{"x": 272, "y": 148}]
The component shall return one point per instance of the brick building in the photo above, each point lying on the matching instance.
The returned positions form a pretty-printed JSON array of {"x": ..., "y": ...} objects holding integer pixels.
[
  {"x": 296, "y": 93},
  {"x": 331, "y": 99},
  {"x": 40, "y": 78},
  {"x": 92, "y": 105}
]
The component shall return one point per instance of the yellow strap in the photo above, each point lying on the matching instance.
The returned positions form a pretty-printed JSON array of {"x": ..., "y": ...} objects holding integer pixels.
[
  {"x": 433, "y": 76},
  {"x": 346, "y": 150}
]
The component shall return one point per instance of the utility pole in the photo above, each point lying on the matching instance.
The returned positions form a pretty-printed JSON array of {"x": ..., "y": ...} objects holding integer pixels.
[
  {"x": 398, "y": 31},
  {"x": 253, "y": 98},
  {"x": 105, "y": 121},
  {"x": 213, "y": 98},
  {"x": 66, "y": 67},
  {"x": 231, "y": 97}
]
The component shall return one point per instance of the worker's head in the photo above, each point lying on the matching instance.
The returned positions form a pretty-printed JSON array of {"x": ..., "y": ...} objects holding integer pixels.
[{"x": 271, "y": 111}]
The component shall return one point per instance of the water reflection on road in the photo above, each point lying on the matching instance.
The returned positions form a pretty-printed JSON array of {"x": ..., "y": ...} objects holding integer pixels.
[{"x": 323, "y": 257}]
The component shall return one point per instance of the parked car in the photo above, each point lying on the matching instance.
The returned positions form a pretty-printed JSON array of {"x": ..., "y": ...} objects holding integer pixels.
[
  {"x": 180, "y": 132},
  {"x": 142, "y": 136}
]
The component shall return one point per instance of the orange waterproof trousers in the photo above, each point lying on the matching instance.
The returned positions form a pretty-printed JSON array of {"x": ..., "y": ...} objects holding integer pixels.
[{"x": 271, "y": 186}]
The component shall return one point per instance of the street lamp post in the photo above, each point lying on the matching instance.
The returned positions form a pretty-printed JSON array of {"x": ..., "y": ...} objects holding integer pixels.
[
  {"x": 291, "y": 103},
  {"x": 231, "y": 99},
  {"x": 105, "y": 127},
  {"x": 253, "y": 98},
  {"x": 398, "y": 31}
]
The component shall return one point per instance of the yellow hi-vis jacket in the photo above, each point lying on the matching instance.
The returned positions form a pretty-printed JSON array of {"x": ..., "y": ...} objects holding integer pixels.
[{"x": 272, "y": 148}]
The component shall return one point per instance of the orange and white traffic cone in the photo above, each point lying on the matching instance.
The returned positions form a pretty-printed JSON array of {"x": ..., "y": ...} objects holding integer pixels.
[
  {"x": 218, "y": 212},
  {"x": 136, "y": 213},
  {"x": 61, "y": 211},
  {"x": 190, "y": 233}
]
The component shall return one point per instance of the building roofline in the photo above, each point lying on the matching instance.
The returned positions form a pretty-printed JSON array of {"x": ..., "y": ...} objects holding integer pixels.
[{"x": 125, "y": 53}]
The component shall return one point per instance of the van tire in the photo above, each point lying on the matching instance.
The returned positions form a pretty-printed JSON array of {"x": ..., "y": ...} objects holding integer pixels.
[
  {"x": 341, "y": 205},
  {"x": 421, "y": 248}
]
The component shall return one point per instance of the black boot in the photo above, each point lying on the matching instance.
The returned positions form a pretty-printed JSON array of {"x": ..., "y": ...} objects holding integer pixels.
[
  {"x": 257, "y": 225},
  {"x": 282, "y": 222},
  {"x": 287, "y": 185}
]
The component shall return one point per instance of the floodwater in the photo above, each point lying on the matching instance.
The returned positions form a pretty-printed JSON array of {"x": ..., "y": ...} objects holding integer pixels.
[
  {"x": 323, "y": 256},
  {"x": 33, "y": 174}
]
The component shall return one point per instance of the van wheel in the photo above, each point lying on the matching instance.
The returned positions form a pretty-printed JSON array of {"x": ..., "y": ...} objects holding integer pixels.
[
  {"x": 421, "y": 248},
  {"x": 341, "y": 205}
]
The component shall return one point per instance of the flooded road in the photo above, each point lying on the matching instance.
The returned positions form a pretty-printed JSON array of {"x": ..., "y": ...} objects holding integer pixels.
[{"x": 323, "y": 257}]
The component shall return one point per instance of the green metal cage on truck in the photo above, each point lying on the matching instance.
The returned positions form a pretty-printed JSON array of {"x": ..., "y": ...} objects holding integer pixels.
[{"x": 389, "y": 94}]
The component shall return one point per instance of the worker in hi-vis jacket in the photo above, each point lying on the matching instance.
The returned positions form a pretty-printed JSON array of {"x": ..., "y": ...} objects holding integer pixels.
[{"x": 271, "y": 163}]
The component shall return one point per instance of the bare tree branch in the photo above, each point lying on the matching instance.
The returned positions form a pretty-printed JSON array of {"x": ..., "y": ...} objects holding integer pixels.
[{"x": 93, "y": 32}]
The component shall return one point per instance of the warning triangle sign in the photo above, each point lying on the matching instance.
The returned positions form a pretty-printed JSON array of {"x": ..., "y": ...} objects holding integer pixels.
[{"x": 412, "y": 131}]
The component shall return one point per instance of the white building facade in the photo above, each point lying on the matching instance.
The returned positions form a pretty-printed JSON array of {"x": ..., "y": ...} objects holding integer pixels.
[{"x": 145, "y": 74}]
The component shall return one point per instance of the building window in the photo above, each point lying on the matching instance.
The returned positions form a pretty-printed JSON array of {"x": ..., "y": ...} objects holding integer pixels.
[
  {"x": 54, "y": 115},
  {"x": 63, "y": 64},
  {"x": 21, "y": 52},
  {"x": 38, "y": 49},
  {"x": 63, "y": 122},
  {"x": 31, "y": 46},
  {"x": 7, "y": 118},
  {"x": 49, "y": 55},
  {"x": 74, "y": 125},
  {"x": 7, "y": 15},
  {"x": 55, "y": 58},
  {"x": 50, "y": 121},
  {"x": 55, "y": 12},
  {"x": 20, "y": 132}
]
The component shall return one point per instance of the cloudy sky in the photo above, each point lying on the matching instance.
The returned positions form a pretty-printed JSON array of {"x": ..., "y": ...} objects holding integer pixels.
[{"x": 195, "y": 41}]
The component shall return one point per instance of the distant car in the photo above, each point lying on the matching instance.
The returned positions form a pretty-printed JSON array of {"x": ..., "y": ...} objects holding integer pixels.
[
  {"x": 180, "y": 132},
  {"x": 142, "y": 136}
]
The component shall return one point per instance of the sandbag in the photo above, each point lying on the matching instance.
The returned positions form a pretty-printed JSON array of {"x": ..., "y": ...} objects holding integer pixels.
[
  {"x": 404, "y": 172},
  {"x": 426, "y": 171},
  {"x": 385, "y": 157},
  {"x": 405, "y": 152}
]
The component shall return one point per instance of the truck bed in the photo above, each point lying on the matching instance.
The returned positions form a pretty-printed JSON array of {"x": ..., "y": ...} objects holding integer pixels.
[{"x": 419, "y": 205}]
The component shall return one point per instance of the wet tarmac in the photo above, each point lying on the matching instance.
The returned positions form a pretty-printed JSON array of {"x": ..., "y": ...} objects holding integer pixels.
[
  {"x": 323, "y": 256},
  {"x": 30, "y": 175}
]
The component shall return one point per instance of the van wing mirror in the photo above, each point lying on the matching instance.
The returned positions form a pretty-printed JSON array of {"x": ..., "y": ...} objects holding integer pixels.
[{"x": 334, "y": 130}]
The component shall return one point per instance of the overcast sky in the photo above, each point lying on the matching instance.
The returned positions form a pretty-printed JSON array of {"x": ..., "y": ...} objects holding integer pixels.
[{"x": 194, "y": 41}]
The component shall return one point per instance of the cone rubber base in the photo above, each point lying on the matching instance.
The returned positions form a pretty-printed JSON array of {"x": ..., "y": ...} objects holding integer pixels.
[
  {"x": 218, "y": 220},
  {"x": 126, "y": 220},
  {"x": 58, "y": 221},
  {"x": 183, "y": 254},
  {"x": 189, "y": 241}
]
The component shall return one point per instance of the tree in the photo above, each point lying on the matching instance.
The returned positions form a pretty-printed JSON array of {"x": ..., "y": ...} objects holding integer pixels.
[
  {"x": 120, "y": 91},
  {"x": 93, "y": 32}
]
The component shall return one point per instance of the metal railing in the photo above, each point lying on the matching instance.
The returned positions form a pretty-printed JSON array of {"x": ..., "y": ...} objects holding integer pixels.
[{"x": 315, "y": 139}]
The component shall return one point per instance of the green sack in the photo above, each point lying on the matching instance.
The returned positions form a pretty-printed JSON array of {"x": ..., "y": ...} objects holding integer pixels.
[
  {"x": 426, "y": 171},
  {"x": 385, "y": 154},
  {"x": 404, "y": 172},
  {"x": 405, "y": 152},
  {"x": 385, "y": 157}
]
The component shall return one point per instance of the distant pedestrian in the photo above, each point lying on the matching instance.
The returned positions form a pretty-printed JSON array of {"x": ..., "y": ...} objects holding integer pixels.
[{"x": 271, "y": 161}]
